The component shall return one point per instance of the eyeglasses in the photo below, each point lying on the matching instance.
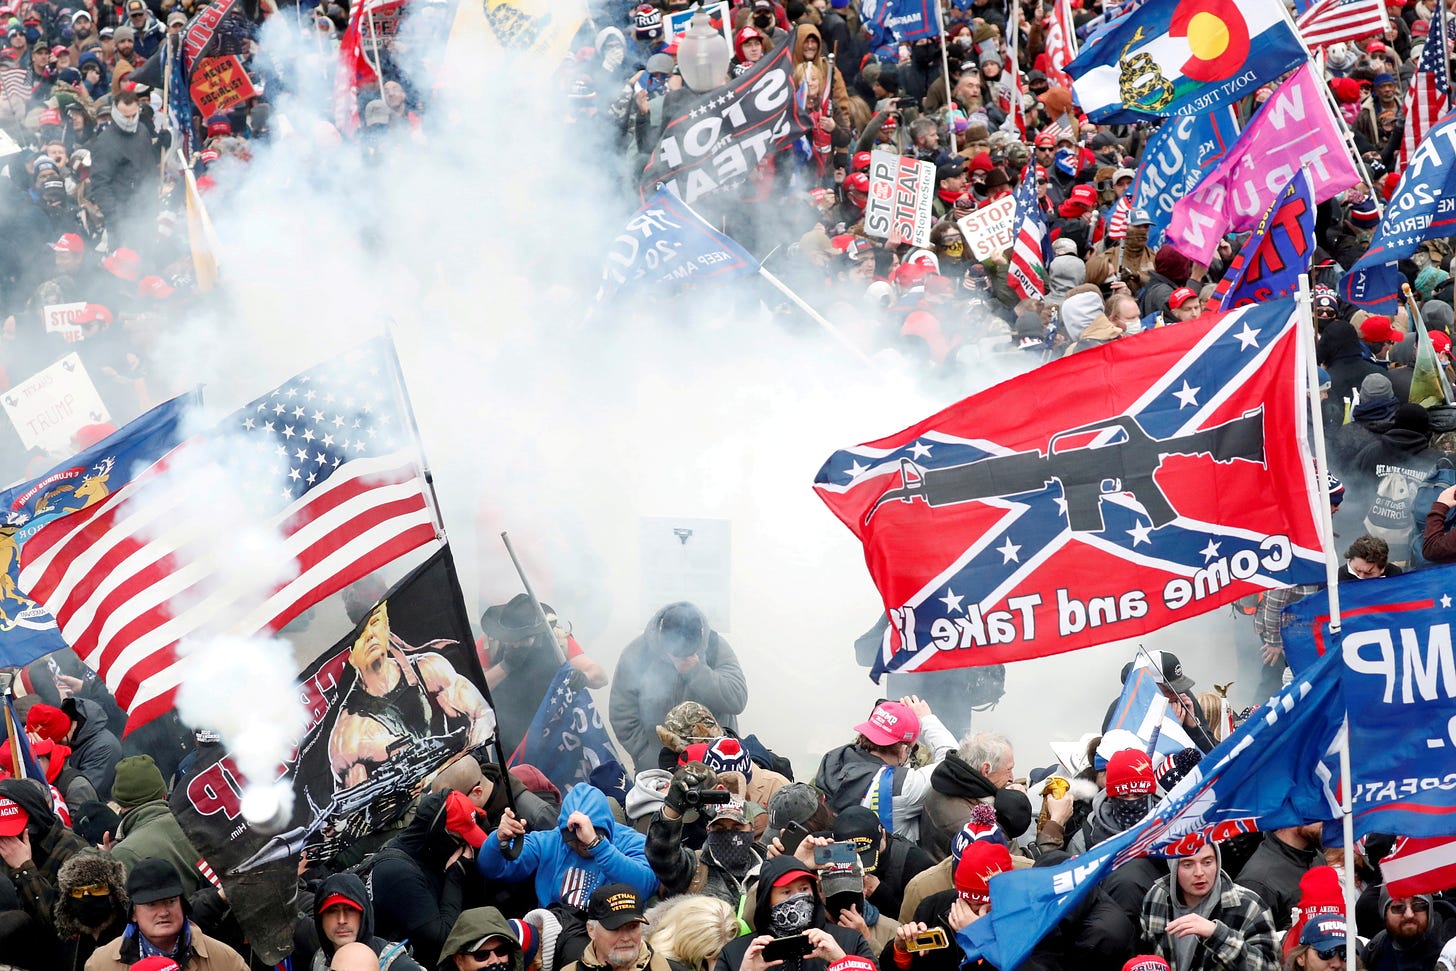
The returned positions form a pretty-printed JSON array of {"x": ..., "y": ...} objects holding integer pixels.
[
  {"x": 1413, "y": 906},
  {"x": 90, "y": 890}
]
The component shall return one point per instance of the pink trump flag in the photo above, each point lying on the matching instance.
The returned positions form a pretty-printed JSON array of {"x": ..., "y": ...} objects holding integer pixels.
[{"x": 1294, "y": 129}]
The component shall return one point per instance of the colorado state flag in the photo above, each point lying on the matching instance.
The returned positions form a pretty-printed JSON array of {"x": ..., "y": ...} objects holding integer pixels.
[{"x": 1172, "y": 57}]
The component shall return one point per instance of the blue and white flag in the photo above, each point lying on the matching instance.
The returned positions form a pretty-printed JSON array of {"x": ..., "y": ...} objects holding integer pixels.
[
  {"x": 567, "y": 739},
  {"x": 1423, "y": 207},
  {"x": 27, "y": 630},
  {"x": 1270, "y": 773},
  {"x": 1175, "y": 160},
  {"x": 1279, "y": 250},
  {"x": 1398, "y": 674},
  {"x": 1144, "y": 711},
  {"x": 1176, "y": 57},
  {"x": 664, "y": 243},
  {"x": 907, "y": 20}
]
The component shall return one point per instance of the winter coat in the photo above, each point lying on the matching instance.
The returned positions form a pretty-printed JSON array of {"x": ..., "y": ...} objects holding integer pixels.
[
  {"x": 1341, "y": 353},
  {"x": 561, "y": 874},
  {"x": 94, "y": 749},
  {"x": 87, "y": 868},
  {"x": 1097, "y": 935},
  {"x": 849, "y": 777},
  {"x": 1394, "y": 466},
  {"x": 900, "y": 862},
  {"x": 392, "y": 956},
  {"x": 1437, "y": 544},
  {"x": 1381, "y": 954},
  {"x": 850, "y": 940},
  {"x": 956, "y": 787},
  {"x": 933, "y": 911},
  {"x": 150, "y": 830},
  {"x": 646, "y": 686},
  {"x": 682, "y": 870},
  {"x": 837, "y": 93},
  {"x": 417, "y": 898},
  {"x": 1243, "y": 936},
  {"x": 647, "y": 960},
  {"x": 474, "y": 925},
  {"x": 51, "y": 845},
  {"x": 1273, "y": 874},
  {"x": 207, "y": 954},
  {"x": 122, "y": 165}
]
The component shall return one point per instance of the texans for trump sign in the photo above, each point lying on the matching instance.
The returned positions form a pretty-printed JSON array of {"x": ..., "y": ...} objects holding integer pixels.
[
  {"x": 898, "y": 205},
  {"x": 1030, "y": 520},
  {"x": 717, "y": 139},
  {"x": 50, "y": 406},
  {"x": 1399, "y": 683}
]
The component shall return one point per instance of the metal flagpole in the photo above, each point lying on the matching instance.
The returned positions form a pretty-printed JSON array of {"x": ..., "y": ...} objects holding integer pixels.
[
  {"x": 945, "y": 67},
  {"x": 374, "y": 40},
  {"x": 1304, "y": 301}
]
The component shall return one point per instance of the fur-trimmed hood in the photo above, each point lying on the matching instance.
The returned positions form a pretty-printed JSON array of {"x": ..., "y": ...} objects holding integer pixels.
[{"x": 85, "y": 868}]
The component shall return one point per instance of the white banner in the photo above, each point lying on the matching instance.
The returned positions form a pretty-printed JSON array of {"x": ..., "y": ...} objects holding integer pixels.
[
  {"x": 991, "y": 229},
  {"x": 51, "y": 405},
  {"x": 901, "y": 191}
]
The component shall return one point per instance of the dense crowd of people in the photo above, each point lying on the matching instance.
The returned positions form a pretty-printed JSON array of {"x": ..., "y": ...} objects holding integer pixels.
[{"x": 703, "y": 850}]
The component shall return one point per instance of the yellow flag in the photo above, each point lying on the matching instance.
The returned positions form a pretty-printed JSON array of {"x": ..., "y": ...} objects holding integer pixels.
[
  {"x": 540, "y": 27},
  {"x": 201, "y": 237},
  {"x": 1429, "y": 386}
]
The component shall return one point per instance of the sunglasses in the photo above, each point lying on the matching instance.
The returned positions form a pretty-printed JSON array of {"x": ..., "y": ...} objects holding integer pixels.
[
  {"x": 1328, "y": 955},
  {"x": 1414, "y": 906},
  {"x": 90, "y": 890},
  {"x": 485, "y": 953}
]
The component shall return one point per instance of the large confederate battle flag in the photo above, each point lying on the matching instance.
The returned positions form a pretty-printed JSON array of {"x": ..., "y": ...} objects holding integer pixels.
[{"x": 1099, "y": 497}]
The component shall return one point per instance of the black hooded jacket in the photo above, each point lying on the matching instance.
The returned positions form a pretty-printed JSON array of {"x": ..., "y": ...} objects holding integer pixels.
[
  {"x": 416, "y": 898},
  {"x": 51, "y": 845},
  {"x": 850, "y": 940},
  {"x": 350, "y": 886},
  {"x": 1341, "y": 353}
]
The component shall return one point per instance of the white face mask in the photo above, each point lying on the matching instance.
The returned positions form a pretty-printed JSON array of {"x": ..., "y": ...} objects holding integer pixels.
[
  {"x": 612, "y": 57},
  {"x": 126, "y": 124}
]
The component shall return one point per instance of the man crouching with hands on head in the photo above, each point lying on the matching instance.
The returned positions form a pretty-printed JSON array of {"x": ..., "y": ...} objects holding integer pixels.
[{"x": 788, "y": 905}]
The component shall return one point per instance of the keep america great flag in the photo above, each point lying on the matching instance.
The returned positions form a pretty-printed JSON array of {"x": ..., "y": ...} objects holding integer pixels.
[{"x": 1099, "y": 497}]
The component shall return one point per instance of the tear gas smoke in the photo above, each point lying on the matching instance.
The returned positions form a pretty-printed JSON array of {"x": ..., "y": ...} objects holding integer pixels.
[{"x": 482, "y": 243}]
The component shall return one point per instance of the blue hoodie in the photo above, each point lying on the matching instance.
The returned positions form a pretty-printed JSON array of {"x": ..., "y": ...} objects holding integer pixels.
[{"x": 561, "y": 874}]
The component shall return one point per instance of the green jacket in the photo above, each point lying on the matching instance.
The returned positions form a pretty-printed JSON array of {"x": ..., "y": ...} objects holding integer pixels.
[
  {"x": 151, "y": 831},
  {"x": 471, "y": 926}
]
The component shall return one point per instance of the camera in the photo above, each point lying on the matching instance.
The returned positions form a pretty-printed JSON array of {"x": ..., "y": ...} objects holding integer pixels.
[{"x": 707, "y": 797}]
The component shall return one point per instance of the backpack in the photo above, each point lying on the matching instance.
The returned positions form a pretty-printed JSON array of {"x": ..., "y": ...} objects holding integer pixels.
[{"x": 1442, "y": 477}]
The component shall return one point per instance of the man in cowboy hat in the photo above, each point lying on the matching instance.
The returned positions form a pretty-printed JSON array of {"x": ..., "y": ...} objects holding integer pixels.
[{"x": 522, "y": 659}]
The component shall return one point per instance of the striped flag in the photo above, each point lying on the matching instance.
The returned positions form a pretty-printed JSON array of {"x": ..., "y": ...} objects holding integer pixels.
[
  {"x": 1430, "y": 89},
  {"x": 1117, "y": 222},
  {"x": 1061, "y": 46},
  {"x": 1420, "y": 865},
  {"x": 1031, "y": 252},
  {"x": 1008, "y": 91},
  {"x": 239, "y": 529},
  {"x": 1340, "y": 21}
]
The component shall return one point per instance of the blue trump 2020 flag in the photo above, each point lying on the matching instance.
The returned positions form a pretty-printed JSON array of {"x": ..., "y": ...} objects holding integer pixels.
[
  {"x": 1396, "y": 667},
  {"x": 1276, "y": 253},
  {"x": 1139, "y": 711},
  {"x": 907, "y": 20},
  {"x": 665, "y": 242},
  {"x": 1270, "y": 773},
  {"x": 1181, "y": 152},
  {"x": 27, "y": 631},
  {"x": 566, "y": 740},
  {"x": 1423, "y": 207},
  {"x": 1172, "y": 57}
]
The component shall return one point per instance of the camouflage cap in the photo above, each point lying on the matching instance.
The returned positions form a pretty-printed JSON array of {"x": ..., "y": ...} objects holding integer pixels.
[{"x": 692, "y": 721}]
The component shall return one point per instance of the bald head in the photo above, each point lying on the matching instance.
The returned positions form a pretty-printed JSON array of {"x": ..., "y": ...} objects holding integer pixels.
[
  {"x": 357, "y": 956},
  {"x": 464, "y": 775}
]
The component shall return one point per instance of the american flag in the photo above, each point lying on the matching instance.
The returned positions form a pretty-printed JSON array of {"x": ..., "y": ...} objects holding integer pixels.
[
  {"x": 1117, "y": 222},
  {"x": 1060, "y": 47},
  {"x": 1340, "y": 21},
  {"x": 1416, "y": 865},
  {"x": 1008, "y": 91},
  {"x": 328, "y": 463},
  {"x": 1430, "y": 90},
  {"x": 1031, "y": 252}
]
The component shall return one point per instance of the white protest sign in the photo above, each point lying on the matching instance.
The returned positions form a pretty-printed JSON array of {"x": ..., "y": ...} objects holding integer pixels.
[
  {"x": 61, "y": 318},
  {"x": 51, "y": 405},
  {"x": 901, "y": 191},
  {"x": 678, "y": 20},
  {"x": 989, "y": 230},
  {"x": 687, "y": 559}
]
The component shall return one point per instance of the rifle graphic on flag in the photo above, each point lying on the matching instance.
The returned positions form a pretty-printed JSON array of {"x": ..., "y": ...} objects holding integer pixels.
[{"x": 994, "y": 536}]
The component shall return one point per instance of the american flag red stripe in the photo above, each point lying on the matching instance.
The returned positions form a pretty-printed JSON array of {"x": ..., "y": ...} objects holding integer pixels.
[
  {"x": 1429, "y": 95},
  {"x": 1341, "y": 21},
  {"x": 1420, "y": 865},
  {"x": 135, "y": 574},
  {"x": 1026, "y": 273},
  {"x": 1117, "y": 222}
]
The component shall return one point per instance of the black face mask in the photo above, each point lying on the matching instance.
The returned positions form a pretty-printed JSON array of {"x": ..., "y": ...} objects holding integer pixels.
[
  {"x": 732, "y": 849},
  {"x": 763, "y": 20},
  {"x": 923, "y": 55},
  {"x": 93, "y": 912}
]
